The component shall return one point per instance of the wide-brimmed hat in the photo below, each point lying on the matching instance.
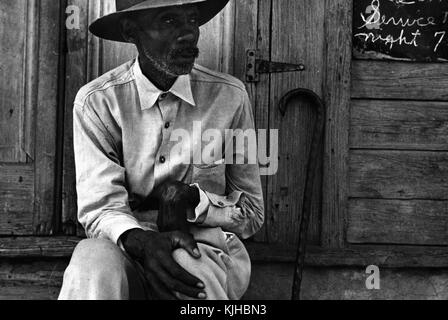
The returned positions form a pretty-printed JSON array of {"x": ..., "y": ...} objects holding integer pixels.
[{"x": 108, "y": 27}]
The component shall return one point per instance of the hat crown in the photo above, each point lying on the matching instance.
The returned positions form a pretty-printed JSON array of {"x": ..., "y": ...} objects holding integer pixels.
[
  {"x": 122, "y": 5},
  {"x": 126, "y": 4}
]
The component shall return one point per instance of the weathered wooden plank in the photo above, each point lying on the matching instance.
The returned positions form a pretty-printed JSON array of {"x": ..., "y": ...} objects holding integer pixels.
[
  {"x": 76, "y": 77},
  {"x": 273, "y": 281},
  {"x": 285, "y": 198},
  {"x": 289, "y": 43},
  {"x": 16, "y": 223},
  {"x": 93, "y": 43},
  {"x": 399, "y": 80},
  {"x": 31, "y": 80},
  {"x": 38, "y": 247},
  {"x": 399, "y": 125},
  {"x": 16, "y": 178},
  {"x": 16, "y": 199},
  {"x": 111, "y": 54},
  {"x": 417, "y": 222},
  {"x": 395, "y": 284},
  {"x": 42, "y": 280},
  {"x": 25, "y": 291},
  {"x": 402, "y": 256},
  {"x": 216, "y": 41},
  {"x": 338, "y": 55},
  {"x": 13, "y": 16},
  {"x": 44, "y": 272},
  {"x": 398, "y": 174},
  {"x": 250, "y": 33},
  {"x": 46, "y": 115},
  {"x": 353, "y": 255},
  {"x": 26, "y": 279}
]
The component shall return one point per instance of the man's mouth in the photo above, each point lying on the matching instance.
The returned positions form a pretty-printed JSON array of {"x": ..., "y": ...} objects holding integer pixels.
[{"x": 185, "y": 53}]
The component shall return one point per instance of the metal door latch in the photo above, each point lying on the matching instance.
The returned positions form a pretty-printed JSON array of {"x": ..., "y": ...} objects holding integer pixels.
[{"x": 255, "y": 66}]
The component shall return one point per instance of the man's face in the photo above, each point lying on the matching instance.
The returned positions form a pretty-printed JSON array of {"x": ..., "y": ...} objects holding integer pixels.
[{"x": 168, "y": 38}]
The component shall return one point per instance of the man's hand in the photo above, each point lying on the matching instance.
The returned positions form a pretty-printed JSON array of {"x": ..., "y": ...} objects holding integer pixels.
[
  {"x": 176, "y": 200},
  {"x": 165, "y": 277}
]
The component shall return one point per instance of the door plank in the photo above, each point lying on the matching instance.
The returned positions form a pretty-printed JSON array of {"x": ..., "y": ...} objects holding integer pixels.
[
  {"x": 13, "y": 16},
  {"x": 16, "y": 199},
  {"x": 413, "y": 222},
  {"x": 399, "y": 125},
  {"x": 399, "y": 80},
  {"x": 76, "y": 77},
  {"x": 249, "y": 34},
  {"x": 297, "y": 37},
  {"x": 217, "y": 40},
  {"x": 338, "y": 58},
  {"x": 46, "y": 120},
  {"x": 399, "y": 174},
  {"x": 12, "y": 88}
]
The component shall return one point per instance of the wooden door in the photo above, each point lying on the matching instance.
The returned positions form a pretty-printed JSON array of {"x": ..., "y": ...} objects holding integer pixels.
[
  {"x": 317, "y": 35},
  {"x": 29, "y": 57},
  {"x": 290, "y": 32}
]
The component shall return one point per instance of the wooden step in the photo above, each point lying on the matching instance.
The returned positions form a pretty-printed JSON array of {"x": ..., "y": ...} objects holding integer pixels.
[{"x": 354, "y": 255}]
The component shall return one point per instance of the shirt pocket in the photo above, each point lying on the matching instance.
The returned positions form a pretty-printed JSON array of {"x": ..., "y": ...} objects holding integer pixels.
[{"x": 211, "y": 178}]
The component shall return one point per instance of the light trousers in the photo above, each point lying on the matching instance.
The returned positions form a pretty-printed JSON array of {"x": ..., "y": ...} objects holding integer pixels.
[{"x": 100, "y": 270}]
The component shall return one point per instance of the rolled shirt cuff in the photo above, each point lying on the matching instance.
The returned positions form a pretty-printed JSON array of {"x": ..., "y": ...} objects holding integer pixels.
[
  {"x": 201, "y": 210},
  {"x": 223, "y": 210},
  {"x": 119, "y": 227}
]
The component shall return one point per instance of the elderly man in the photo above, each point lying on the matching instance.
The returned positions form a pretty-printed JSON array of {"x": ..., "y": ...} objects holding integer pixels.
[{"x": 161, "y": 224}]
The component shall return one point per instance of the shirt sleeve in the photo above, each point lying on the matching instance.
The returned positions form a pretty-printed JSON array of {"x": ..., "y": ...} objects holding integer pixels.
[
  {"x": 103, "y": 208},
  {"x": 241, "y": 209}
]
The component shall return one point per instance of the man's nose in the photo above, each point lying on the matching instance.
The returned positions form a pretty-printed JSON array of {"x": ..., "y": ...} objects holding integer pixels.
[
  {"x": 188, "y": 32},
  {"x": 189, "y": 36}
]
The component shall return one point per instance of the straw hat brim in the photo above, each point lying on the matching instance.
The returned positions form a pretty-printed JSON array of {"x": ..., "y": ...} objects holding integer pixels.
[{"x": 108, "y": 27}]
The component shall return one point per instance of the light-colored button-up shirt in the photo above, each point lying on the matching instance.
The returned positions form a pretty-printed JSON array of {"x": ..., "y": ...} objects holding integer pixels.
[{"x": 129, "y": 137}]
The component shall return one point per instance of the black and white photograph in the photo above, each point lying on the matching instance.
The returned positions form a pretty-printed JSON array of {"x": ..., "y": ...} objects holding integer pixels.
[{"x": 242, "y": 151}]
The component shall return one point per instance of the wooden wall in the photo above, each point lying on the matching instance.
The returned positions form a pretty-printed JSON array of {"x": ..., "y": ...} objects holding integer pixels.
[{"x": 398, "y": 153}]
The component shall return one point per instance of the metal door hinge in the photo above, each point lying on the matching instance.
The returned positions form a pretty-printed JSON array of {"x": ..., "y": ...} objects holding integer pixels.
[{"x": 255, "y": 66}]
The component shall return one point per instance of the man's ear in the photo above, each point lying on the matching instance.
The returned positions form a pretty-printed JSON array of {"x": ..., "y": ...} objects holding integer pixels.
[{"x": 128, "y": 30}]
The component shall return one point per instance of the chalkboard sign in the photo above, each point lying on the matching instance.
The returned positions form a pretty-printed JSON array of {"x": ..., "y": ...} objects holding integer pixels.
[{"x": 415, "y": 30}]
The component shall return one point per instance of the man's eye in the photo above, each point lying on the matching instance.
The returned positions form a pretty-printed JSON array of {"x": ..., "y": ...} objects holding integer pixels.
[
  {"x": 194, "y": 20},
  {"x": 169, "y": 21}
]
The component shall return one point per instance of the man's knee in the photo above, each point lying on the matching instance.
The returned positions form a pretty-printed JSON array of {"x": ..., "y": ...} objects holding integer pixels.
[
  {"x": 97, "y": 258},
  {"x": 97, "y": 271}
]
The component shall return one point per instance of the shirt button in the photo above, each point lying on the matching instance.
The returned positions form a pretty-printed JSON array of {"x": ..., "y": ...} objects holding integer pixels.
[
  {"x": 163, "y": 96},
  {"x": 167, "y": 125},
  {"x": 162, "y": 159}
]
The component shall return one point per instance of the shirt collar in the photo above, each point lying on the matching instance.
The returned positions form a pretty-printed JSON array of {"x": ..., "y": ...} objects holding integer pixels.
[{"x": 149, "y": 93}]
